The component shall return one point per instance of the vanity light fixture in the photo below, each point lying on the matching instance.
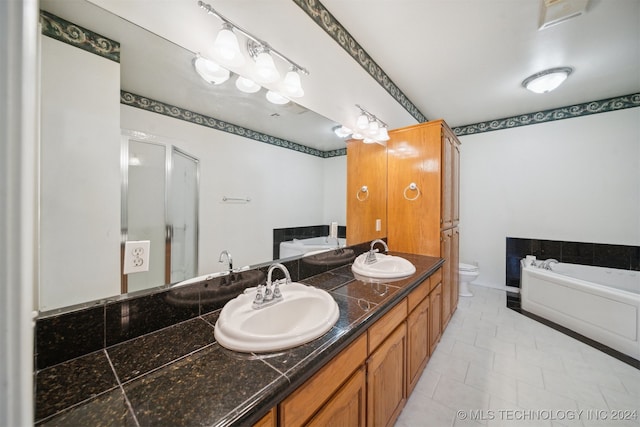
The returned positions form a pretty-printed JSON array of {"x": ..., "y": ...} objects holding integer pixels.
[
  {"x": 247, "y": 85},
  {"x": 368, "y": 127},
  {"x": 547, "y": 80},
  {"x": 226, "y": 52},
  {"x": 226, "y": 49},
  {"x": 210, "y": 71},
  {"x": 276, "y": 98}
]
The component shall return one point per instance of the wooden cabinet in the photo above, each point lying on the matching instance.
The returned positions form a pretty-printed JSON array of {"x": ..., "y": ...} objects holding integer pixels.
[
  {"x": 424, "y": 221},
  {"x": 435, "y": 311},
  {"x": 347, "y": 407},
  {"x": 324, "y": 395},
  {"x": 386, "y": 390},
  {"x": 366, "y": 167},
  {"x": 445, "y": 252},
  {"x": 418, "y": 344},
  {"x": 269, "y": 420}
]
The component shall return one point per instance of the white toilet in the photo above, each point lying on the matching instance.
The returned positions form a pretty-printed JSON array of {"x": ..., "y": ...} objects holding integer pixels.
[{"x": 468, "y": 273}]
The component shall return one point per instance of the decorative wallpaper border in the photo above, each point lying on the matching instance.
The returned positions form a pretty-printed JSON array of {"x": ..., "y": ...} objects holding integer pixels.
[
  {"x": 133, "y": 100},
  {"x": 339, "y": 33},
  {"x": 75, "y": 35},
  {"x": 570, "y": 112}
]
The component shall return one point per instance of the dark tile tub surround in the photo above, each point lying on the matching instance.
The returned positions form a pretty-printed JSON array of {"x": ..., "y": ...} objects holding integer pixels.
[
  {"x": 179, "y": 375},
  {"x": 306, "y": 232},
  {"x": 597, "y": 254}
]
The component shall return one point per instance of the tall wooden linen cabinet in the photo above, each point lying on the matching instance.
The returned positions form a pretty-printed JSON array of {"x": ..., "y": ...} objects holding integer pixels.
[{"x": 423, "y": 169}]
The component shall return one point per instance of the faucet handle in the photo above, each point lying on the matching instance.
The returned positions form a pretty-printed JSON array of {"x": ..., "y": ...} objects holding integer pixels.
[
  {"x": 276, "y": 289},
  {"x": 259, "y": 299}
]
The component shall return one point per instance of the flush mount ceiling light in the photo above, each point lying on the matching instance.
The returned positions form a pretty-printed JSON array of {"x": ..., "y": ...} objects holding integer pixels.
[
  {"x": 226, "y": 52},
  {"x": 368, "y": 127},
  {"x": 547, "y": 80}
]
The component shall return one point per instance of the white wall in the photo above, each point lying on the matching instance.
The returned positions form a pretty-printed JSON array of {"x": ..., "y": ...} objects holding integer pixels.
[
  {"x": 80, "y": 176},
  {"x": 287, "y": 188},
  {"x": 572, "y": 180}
]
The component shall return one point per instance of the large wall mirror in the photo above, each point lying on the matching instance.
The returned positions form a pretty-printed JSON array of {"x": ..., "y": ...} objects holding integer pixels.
[{"x": 84, "y": 121}]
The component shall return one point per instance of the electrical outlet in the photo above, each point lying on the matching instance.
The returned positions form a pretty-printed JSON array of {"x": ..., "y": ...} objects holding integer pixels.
[{"x": 136, "y": 256}]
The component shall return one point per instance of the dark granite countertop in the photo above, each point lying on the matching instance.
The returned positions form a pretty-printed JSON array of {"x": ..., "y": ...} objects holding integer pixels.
[{"x": 180, "y": 376}]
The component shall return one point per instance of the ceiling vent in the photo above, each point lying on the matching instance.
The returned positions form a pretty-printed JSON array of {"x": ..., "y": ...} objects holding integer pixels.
[{"x": 556, "y": 12}]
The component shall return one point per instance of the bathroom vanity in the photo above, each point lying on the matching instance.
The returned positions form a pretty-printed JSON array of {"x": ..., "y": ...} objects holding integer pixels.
[{"x": 359, "y": 373}]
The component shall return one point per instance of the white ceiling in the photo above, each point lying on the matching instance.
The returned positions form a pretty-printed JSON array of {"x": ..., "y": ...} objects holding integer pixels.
[{"x": 461, "y": 60}]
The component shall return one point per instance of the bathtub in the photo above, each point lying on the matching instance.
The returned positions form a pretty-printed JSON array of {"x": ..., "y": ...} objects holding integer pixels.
[
  {"x": 299, "y": 247},
  {"x": 600, "y": 303}
]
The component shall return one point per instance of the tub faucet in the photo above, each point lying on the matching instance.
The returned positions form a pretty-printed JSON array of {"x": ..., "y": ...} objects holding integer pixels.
[
  {"x": 371, "y": 255},
  {"x": 547, "y": 263},
  {"x": 271, "y": 289},
  {"x": 226, "y": 254}
]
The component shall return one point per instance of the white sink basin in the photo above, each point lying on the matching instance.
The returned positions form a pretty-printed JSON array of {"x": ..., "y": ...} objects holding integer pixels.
[
  {"x": 385, "y": 267},
  {"x": 304, "y": 314}
]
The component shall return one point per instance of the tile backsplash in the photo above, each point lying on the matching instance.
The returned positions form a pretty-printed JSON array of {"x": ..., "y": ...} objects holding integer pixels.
[
  {"x": 66, "y": 336},
  {"x": 597, "y": 254}
]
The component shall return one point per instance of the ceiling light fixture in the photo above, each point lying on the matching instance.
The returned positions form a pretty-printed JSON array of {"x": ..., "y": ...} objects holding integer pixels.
[
  {"x": 227, "y": 53},
  {"x": 368, "y": 127},
  {"x": 547, "y": 80}
]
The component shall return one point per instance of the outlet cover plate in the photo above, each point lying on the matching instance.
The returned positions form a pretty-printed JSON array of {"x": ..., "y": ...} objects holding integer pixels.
[{"x": 136, "y": 256}]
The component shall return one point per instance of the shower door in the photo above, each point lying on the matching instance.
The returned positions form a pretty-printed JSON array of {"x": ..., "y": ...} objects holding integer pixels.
[
  {"x": 183, "y": 216},
  {"x": 160, "y": 204}
]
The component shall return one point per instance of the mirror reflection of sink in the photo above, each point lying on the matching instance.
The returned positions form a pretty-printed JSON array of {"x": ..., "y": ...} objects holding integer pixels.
[
  {"x": 215, "y": 289},
  {"x": 304, "y": 314},
  {"x": 385, "y": 267},
  {"x": 329, "y": 258}
]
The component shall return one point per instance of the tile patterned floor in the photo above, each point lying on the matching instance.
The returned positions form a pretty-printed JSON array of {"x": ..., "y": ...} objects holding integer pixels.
[{"x": 496, "y": 367}]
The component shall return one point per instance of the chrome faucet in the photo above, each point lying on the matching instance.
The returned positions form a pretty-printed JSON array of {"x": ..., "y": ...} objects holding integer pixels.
[
  {"x": 229, "y": 260},
  {"x": 271, "y": 289},
  {"x": 371, "y": 255},
  {"x": 547, "y": 263}
]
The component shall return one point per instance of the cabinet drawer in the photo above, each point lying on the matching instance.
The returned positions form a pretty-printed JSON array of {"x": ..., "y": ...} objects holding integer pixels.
[
  {"x": 418, "y": 294},
  {"x": 435, "y": 278},
  {"x": 296, "y": 409},
  {"x": 386, "y": 324}
]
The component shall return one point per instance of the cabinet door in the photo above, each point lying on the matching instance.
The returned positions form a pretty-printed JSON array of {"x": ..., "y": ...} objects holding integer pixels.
[
  {"x": 446, "y": 218},
  {"x": 435, "y": 313},
  {"x": 413, "y": 217},
  {"x": 386, "y": 390},
  {"x": 366, "y": 167},
  {"x": 445, "y": 252},
  {"x": 455, "y": 273},
  {"x": 347, "y": 407},
  {"x": 418, "y": 344},
  {"x": 310, "y": 397},
  {"x": 269, "y": 420},
  {"x": 455, "y": 190}
]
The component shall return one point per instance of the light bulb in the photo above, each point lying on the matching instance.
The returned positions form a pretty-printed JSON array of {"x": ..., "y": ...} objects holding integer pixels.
[
  {"x": 266, "y": 70},
  {"x": 362, "y": 122},
  {"x": 276, "y": 98},
  {"x": 247, "y": 85},
  {"x": 210, "y": 71},
  {"x": 342, "y": 131},
  {"x": 357, "y": 135},
  {"x": 383, "y": 134},
  {"x": 226, "y": 49},
  {"x": 292, "y": 85}
]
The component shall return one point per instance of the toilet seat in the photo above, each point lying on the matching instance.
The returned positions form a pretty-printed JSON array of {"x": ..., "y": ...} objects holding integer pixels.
[{"x": 467, "y": 267}]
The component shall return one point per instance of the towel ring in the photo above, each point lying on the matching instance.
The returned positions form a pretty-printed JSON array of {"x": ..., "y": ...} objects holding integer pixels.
[
  {"x": 412, "y": 187},
  {"x": 364, "y": 189}
]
